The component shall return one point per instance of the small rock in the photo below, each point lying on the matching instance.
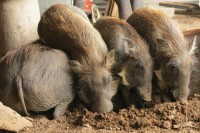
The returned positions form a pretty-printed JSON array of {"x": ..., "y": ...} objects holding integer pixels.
[
  {"x": 183, "y": 102},
  {"x": 167, "y": 124},
  {"x": 173, "y": 112},
  {"x": 117, "y": 128},
  {"x": 11, "y": 120},
  {"x": 182, "y": 125},
  {"x": 122, "y": 120},
  {"x": 27, "y": 129},
  {"x": 87, "y": 125},
  {"x": 171, "y": 117}
]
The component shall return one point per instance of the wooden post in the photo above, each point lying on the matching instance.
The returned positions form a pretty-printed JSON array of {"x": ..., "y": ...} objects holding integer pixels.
[{"x": 18, "y": 23}]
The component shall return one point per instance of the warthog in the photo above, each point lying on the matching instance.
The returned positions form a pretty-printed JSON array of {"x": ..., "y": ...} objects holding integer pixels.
[
  {"x": 195, "y": 75},
  {"x": 134, "y": 63},
  {"x": 168, "y": 47},
  {"x": 63, "y": 29},
  {"x": 36, "y": 78}
]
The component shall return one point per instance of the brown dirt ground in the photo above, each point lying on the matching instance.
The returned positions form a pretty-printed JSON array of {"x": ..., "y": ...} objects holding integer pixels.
[{"x": 167, "y": 117}]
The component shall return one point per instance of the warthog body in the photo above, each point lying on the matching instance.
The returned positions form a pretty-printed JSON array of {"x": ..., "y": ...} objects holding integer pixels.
[
  {"x": 195, "y": 75},
  {"x": 168, "y": 47},
  {"x": 36, "y": 78},
  {"x": 134, "y": 63},
  {"x": 61, "y": 28}
]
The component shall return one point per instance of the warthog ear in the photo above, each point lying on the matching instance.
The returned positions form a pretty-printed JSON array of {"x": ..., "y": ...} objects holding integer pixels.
[
  {"x": 193, "y": 47},
  {"x": 110, "y": 59},
  {"x": 129, "y": 46},
  {"x": 76, "y": 66},
  {"x": 95, "y": 13}
]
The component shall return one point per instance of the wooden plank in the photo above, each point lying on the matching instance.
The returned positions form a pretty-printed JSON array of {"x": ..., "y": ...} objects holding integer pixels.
[
  {"x": 109, "y": 9},
  {"x": 100, "y": 3},
  {"x": 179, "y": 5},
  {"x": 188, "y": 12}
]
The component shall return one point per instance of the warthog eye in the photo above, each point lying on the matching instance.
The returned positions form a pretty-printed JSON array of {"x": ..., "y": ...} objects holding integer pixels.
[
  {"x": 172, "y": 68},
  {"x": 139, "y": 64}
]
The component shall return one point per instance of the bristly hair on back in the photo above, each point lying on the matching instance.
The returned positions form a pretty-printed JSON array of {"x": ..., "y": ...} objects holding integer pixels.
[
  {"x": 81, "y": 38},
  {"x": 170, "y": 43},
  {"x": 19, "y": 55},
  {"x": 24, "y": 52}
]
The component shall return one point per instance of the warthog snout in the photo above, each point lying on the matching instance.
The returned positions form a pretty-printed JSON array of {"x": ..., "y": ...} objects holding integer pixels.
[
  {"x": 103, "y": 107},
  {"x": 145, "y": 93}
]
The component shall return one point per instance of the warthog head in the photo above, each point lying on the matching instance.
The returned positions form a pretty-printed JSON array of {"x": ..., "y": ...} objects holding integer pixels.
[{"x": 96, "y": 85}]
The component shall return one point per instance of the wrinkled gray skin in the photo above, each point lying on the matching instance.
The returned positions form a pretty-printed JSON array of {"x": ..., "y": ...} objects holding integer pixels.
[
  {"x": 90, "y": 61},
  {"x": 173, "y": 57},
  {"x": 36, "y": 78},
  {"x": 195, "y": 75},
  {"x": 134, "y": 64}
]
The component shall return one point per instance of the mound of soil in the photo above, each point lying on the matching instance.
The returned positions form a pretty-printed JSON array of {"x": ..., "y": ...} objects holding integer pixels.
[{"x": 177, "y": 116}]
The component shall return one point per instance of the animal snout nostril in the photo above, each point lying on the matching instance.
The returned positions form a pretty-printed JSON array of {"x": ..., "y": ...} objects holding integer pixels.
[
  {"x": 170, "y": 89},
  {"x": 170, "y": 94},
  {"x": 144, "y": 104},
  {"x": 103, "y": 108},
  {"x": 148, "y": 104}
]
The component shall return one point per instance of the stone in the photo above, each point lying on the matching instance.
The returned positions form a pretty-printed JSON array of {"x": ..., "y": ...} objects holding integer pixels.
[
  {"x": 167, "y": 124},
  {"x": 11, "y": 120}
]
